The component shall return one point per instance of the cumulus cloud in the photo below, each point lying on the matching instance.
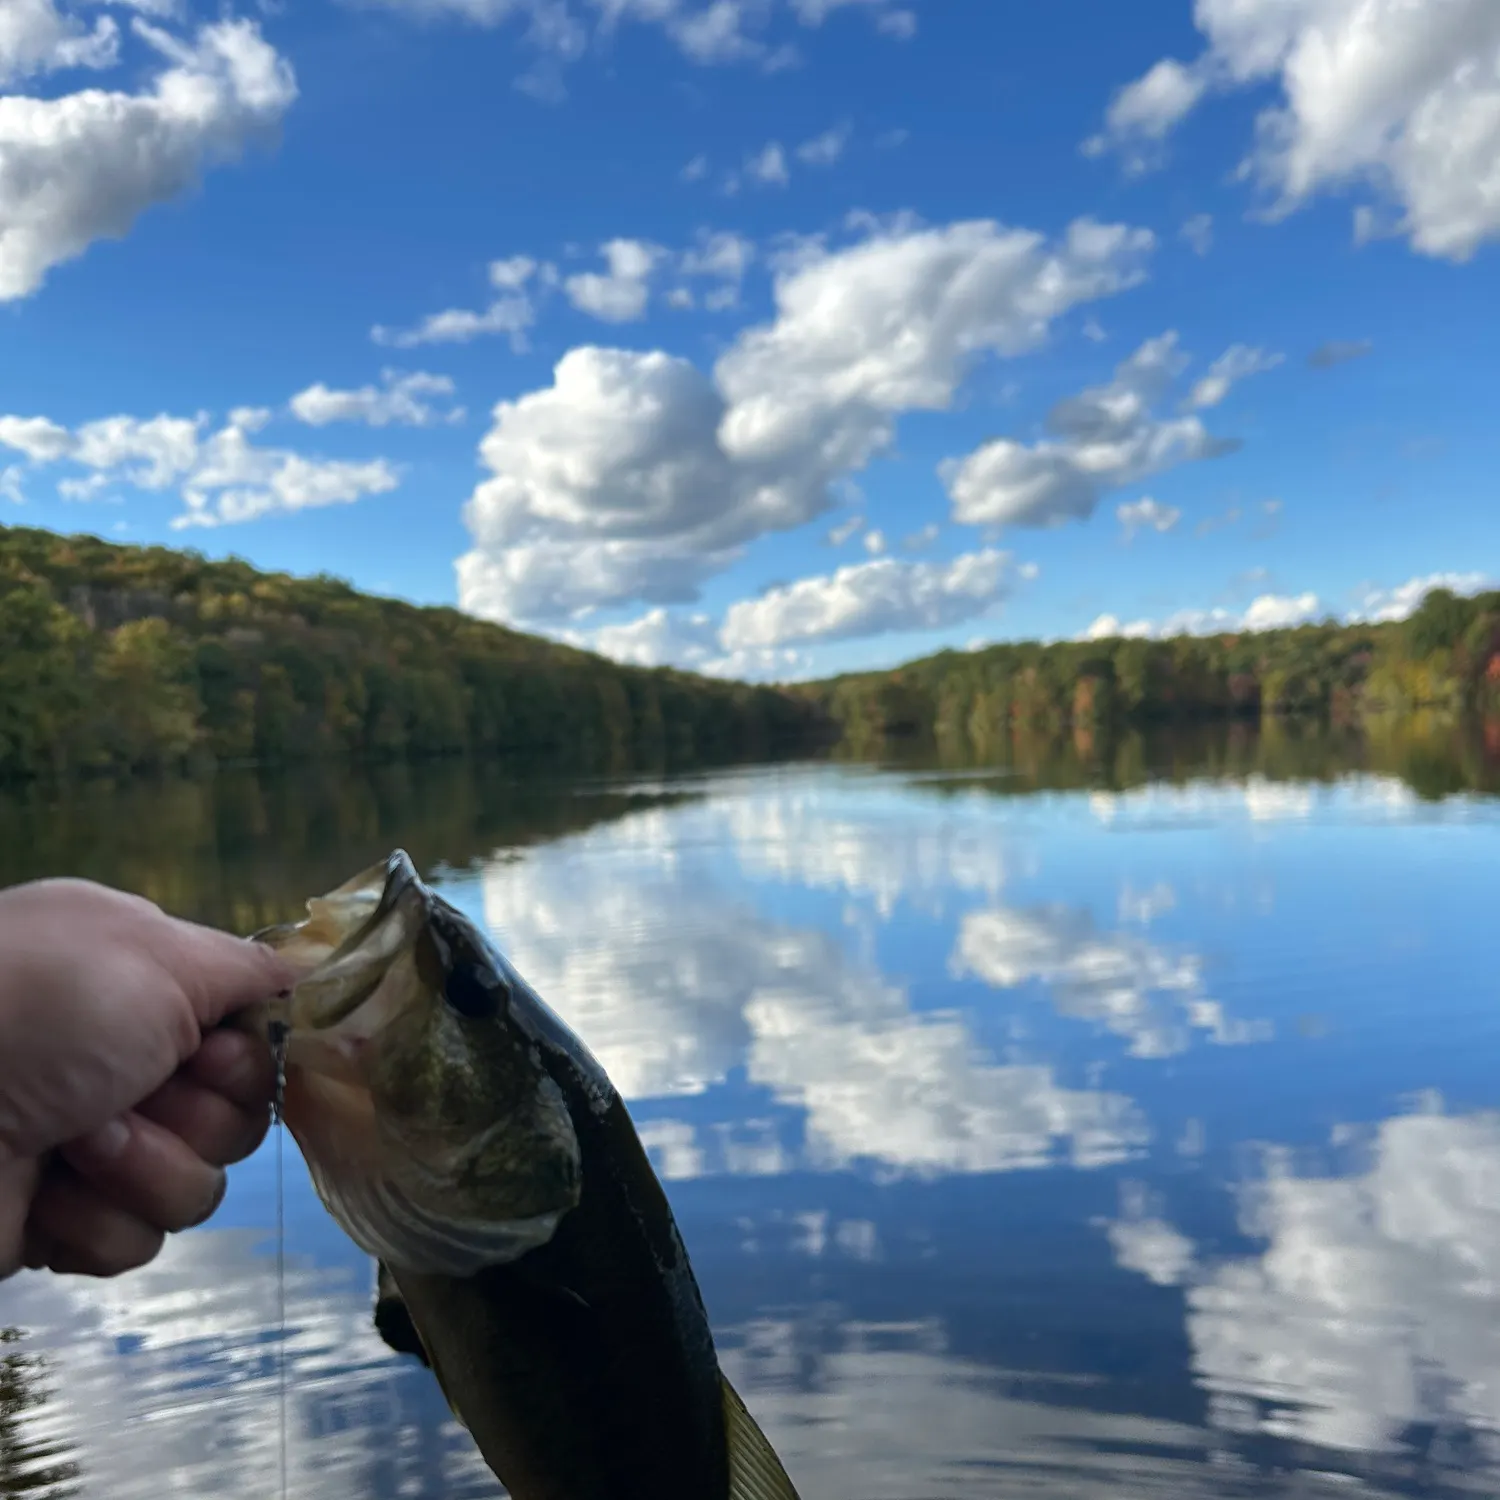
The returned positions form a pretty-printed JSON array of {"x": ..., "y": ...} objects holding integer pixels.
[
  {"x": 1146, "y": 514},
  {"x": 511, "y": 313},
  {"x": 1233, "y": 365},
  {"x": 1103, "y": 439},
  {"x": 1265, "y": 612},
  {"x": 1143, "y": 113},
  {"x": 634, "y": 476},
  {"x": 221, "y": 475},
  {"x": 1378, "y": 604},
  {"x": 399, "y": 399},
  {"x": 873, "y": 598},
  {"x": 1338, "y": 352},
  {"x": 36, "y": 37},
  {"x": 619, "y": 294},
  {"x": 1283, "y": 611},
  {"x": 37, "y": 437},
  {"x": 1399, "y": 97},
  {"x": 77, "y": 168},
  {"x": 1135, "y": 989}
]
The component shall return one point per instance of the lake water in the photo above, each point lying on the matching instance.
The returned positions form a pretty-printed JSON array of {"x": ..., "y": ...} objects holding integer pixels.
[{"x": 1027, "y": 1144}]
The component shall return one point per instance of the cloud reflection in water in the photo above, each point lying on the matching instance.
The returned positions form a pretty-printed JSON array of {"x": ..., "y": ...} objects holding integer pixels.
[
  {"x": 1374, "y": 1307},
  {"x": 675, "y": 984}
]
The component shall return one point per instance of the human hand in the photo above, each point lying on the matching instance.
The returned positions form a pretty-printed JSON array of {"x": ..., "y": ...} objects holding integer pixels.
[{"x": 120, "y": 1106}]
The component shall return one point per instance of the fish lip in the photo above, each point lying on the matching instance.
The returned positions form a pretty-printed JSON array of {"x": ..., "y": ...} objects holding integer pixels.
[{"x": 400, "y": 876}]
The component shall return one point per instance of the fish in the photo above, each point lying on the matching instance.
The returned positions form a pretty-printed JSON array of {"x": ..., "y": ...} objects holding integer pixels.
[{"x": 465, "y": 1138}]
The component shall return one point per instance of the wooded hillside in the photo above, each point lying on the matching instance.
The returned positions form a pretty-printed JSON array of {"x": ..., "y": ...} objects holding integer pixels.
[
  {"x": 1444, "y": 660},
  {"x": 115, "y": 657}
]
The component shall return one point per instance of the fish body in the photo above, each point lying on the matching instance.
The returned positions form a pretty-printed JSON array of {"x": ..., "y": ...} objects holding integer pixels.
[{"x": 466, "y": 1138}]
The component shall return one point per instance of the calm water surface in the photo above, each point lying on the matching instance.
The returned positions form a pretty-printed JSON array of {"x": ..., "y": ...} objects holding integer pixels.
[{"x": 1075, "y": 1144}]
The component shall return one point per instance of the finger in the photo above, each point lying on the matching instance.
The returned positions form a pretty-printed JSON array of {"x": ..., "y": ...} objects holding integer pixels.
[
  {"x": 75, "y": 1230},
  {"x": 148, "y": 1171},
  {"x": 221, "y": 974},
  {"x": 214, "y": 1128},
  {"x": 238, "y": 1066}
]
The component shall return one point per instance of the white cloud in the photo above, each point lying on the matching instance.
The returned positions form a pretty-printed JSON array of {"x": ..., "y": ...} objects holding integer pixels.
[
  {"x": 1266, "y": 612},
  {"x": 36, "y": 437},
  {"x": 221, "y": 476},
  {"x": 823, "y": 150},
  {"x": 10, "y": 484},
  {"x": 511, "y": 313},
  {"x": 768, "y": 166},
  {"x": 634, "y": 476},
  {"x": 696, "y": 170},
  {"x": 1400, "y": 97},
  {"x": 872, "y": 598},
  {"x": 839, "y": 534},
  {"x": 1283, "y": 611},
  {"x": 35, "y": 37},
  {"x": 1400, "y": 602},
  {"x": 81, "y": 167},
  {"x": 620, "y": 294},
  {"x": 511, "y": 273},
  {"x": 1106, "y": 438},
  {"x": 399, "y": 400},
  {"x": 1135, "y": 989},
  {"x": 1142, "y": 114},
  {"x": 919, "y": 540},
  {"x": 1147, "y": 514},
  {"x": 1199, "y": 233},
  {"x": 1233, "y": 365},
  {"x": 723, "y": 256},
  {"x": 874, "y": 543}
]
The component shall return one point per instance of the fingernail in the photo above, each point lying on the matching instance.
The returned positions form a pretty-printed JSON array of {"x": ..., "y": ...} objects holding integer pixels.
[
  {"x": 108, "y": 1141},
  {"x": 214, "y": 1201}
]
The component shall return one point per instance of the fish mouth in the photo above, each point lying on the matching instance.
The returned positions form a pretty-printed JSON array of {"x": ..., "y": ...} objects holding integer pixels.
[{"x": 347, "y": 944}]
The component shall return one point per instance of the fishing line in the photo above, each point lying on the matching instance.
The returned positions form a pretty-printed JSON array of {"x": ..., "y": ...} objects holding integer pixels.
[{"x": 279, "y": 1033}]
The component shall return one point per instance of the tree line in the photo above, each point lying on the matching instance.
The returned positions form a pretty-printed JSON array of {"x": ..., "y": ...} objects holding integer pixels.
[
  {"x": 1443, "y": 662},
  {"x": 119, "y": 658}
]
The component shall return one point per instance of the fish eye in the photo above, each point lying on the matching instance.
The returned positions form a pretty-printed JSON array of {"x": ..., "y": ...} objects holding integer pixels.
[{"x": 474, "y": 990}]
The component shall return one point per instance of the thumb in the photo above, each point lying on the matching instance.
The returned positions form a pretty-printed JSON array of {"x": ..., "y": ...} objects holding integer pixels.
[{"x": 221, "y": 974}]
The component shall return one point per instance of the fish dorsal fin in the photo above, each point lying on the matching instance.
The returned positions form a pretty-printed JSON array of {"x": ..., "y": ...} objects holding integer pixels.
[{"x": 755, "y": 1472}]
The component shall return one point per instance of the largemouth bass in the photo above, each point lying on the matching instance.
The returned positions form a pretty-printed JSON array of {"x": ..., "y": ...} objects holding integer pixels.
[{"x": 462, "y": 1135}]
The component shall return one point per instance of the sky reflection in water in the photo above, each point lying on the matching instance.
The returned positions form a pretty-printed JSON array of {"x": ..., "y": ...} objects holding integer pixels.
[{"x": 1066, "y": 1145}]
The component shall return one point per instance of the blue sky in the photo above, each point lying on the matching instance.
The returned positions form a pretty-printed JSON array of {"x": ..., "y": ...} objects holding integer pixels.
[{"x": 765, "y": 336}]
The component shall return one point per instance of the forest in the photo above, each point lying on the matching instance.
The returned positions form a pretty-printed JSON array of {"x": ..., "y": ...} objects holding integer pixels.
[
  {"x": 118, "y": 658},
  {"x": 1442, "y": 665}
]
